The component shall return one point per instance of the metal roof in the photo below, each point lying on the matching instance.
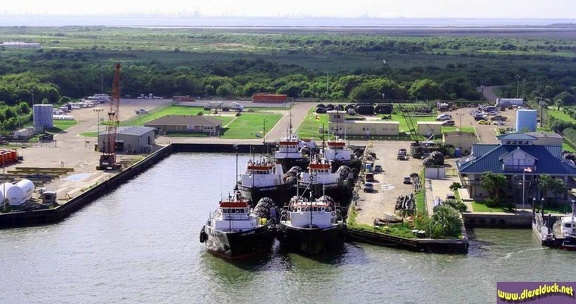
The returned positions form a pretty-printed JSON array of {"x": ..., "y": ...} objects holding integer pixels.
[
  {"x": 134, "y": 130},
  {"x": 545, "y": 134},
  {"x": 490, "y": 161},
  {"x": 515, "y": 136}
]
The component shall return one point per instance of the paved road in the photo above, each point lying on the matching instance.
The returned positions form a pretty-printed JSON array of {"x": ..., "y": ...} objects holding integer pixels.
[{"x": 295, "y": 117}]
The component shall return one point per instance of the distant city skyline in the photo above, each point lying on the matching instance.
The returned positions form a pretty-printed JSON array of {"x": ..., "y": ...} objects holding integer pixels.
[{"x": 545, "y": 9}]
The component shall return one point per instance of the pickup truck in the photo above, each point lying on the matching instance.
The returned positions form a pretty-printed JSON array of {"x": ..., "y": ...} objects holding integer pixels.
[{"x": 402, "y": 154}]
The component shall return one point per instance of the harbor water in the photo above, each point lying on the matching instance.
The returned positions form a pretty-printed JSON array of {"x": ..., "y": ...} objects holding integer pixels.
[{"x": 140, "y": 244}]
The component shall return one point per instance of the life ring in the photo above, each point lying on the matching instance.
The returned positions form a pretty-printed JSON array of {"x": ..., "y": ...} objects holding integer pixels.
[
  {"x": 333, "y": 213},
  {"x": 502, "y": 221},
  {"x": 482, "y": 221},
  {"x": 492, "y": 221}
]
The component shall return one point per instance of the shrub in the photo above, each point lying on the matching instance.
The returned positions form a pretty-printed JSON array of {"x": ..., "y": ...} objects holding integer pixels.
[{"x": 458, "y": 205}]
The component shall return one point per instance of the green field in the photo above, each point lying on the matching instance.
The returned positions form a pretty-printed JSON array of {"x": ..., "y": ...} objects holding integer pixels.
[
  {"x": 61, "y": 125},
  {"x": 250, "y": 125}
]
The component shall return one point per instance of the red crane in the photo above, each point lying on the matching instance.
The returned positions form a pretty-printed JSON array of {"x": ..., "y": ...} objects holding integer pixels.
[{"x": 108, "y": 157}]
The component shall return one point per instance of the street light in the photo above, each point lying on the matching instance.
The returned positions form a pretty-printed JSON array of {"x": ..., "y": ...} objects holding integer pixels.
[{"x": 98, "y": 110}]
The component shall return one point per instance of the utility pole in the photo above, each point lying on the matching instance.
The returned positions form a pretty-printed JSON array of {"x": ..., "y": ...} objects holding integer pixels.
[{"x": 517, "y": 86}]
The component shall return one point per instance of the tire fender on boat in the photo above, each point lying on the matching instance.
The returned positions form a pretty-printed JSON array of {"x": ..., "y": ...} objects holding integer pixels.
[{"x": 203, "y": 235}]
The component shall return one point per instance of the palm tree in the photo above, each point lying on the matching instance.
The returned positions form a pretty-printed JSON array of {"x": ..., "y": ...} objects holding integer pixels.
[
  {"x": 545, "y": 183},
  {"x": 493, "y": 183},
  {"x": 558, "y": 187}
]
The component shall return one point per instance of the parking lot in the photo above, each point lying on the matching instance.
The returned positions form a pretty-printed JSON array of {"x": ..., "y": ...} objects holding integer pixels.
[{"x": 486, "y": 133}]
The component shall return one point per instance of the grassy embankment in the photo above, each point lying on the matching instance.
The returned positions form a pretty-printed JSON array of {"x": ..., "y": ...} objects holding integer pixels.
[{"x": 248, "y": 125}]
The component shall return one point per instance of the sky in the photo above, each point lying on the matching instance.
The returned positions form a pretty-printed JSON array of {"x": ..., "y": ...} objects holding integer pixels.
[{"x": 547, "y": 9}]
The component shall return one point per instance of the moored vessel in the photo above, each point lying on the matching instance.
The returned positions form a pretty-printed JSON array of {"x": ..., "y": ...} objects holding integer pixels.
[
  {"x": 311, "y": 226},
  {"x": 338, "y": 153},
  {"x": 233, "y": 231},
  {"x": 565, "y": 232},
  {"x": 293, "y": 151},
  {"x": 320, "y": 180},
  {"x": 265, "y": 178}
]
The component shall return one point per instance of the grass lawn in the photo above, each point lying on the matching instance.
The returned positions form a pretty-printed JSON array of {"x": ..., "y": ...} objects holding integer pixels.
[
  {"x": 61, "y": 125},
  {"x": 465, "y": 129},
  {"x": 250, "y": 125},
  {"x": 310, "y": 125},
  {"x": 567, "y": 147},
  {"x": 420, "y": 202},
  {"x": 479, "y": 207},
  {"x": 399, "y": 230},
  {"x": 560, "y": 115}
]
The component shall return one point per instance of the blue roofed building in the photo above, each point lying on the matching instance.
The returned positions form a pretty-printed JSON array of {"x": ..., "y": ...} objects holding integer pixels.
[{"x": 522, "y": 160}]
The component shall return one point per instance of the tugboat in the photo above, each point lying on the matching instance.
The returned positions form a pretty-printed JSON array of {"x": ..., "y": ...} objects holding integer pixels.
[
  {"x": 235, "y": 232},
  {"x": 320, "y": 180},
  {"x": 311, "y": 226},
  {"x": 265, "y": 178},
  {"x": 294, "y": 152},
  {"x": 336, "y": 152}
]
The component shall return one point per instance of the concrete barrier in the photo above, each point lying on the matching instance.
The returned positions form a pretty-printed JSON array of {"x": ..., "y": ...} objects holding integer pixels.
[{"x": 498, "y": 220}]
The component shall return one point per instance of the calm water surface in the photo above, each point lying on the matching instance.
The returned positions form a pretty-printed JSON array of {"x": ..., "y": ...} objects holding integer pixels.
[{"x": 140, "y": 244}]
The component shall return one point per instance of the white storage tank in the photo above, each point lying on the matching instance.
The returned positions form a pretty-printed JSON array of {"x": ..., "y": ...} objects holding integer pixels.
[
  {"x": 42, "y": 117},
  {"x": 20, "y": 193},
  {"x": 526, "y": 120},
  {"x": 4, "y": 189}
]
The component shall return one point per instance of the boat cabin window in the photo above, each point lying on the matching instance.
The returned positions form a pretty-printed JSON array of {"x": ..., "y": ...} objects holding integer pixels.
[
  {"x": 235, "y": 210},
  {"x": 568, "y": 225}
]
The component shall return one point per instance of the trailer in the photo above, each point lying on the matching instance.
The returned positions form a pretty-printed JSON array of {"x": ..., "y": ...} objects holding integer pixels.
[{"x": 509, "y": 102}]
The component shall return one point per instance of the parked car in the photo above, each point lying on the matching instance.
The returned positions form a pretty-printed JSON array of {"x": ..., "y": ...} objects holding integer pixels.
[
  {"x": 369, "y": 177},
  {"x": 448, "y": 123},
  {"x": 402, "y": 154},
  {"x": 443, "y": 117},
  {"x": 480, "y": 117},
  {"x": 483, "y": 122},
  {"x": 378, "y": 168},
  {"x": 407, "y": 180},
  {"x": 368, "y": 187},
  {"x": 320, "y": 110},
  {"x": 498, "y": 118},
  {"x": 450, "y": 196}
]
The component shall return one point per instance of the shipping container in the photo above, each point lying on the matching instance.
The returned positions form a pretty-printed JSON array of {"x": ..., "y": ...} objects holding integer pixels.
[{"x": 271, "y": 98}]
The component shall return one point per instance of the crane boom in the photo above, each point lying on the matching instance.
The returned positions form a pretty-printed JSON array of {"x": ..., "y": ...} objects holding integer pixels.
[{"x": 108, "y": 157}]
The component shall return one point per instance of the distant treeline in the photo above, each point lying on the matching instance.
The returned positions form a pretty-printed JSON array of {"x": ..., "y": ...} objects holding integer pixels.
[{"x": 78, "y": 61}]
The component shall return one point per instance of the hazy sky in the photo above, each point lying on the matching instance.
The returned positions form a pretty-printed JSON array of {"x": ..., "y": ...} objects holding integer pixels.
[{"x": 565, "y": 9}]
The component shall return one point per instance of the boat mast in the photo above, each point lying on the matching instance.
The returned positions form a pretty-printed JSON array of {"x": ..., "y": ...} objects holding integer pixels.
[{"x": 236, "y": 176}]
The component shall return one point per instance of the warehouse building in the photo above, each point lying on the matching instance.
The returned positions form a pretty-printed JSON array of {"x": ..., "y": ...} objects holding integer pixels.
[
  {"x": 132, "y": 139},
  {"x": 186, "y": 124}
]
